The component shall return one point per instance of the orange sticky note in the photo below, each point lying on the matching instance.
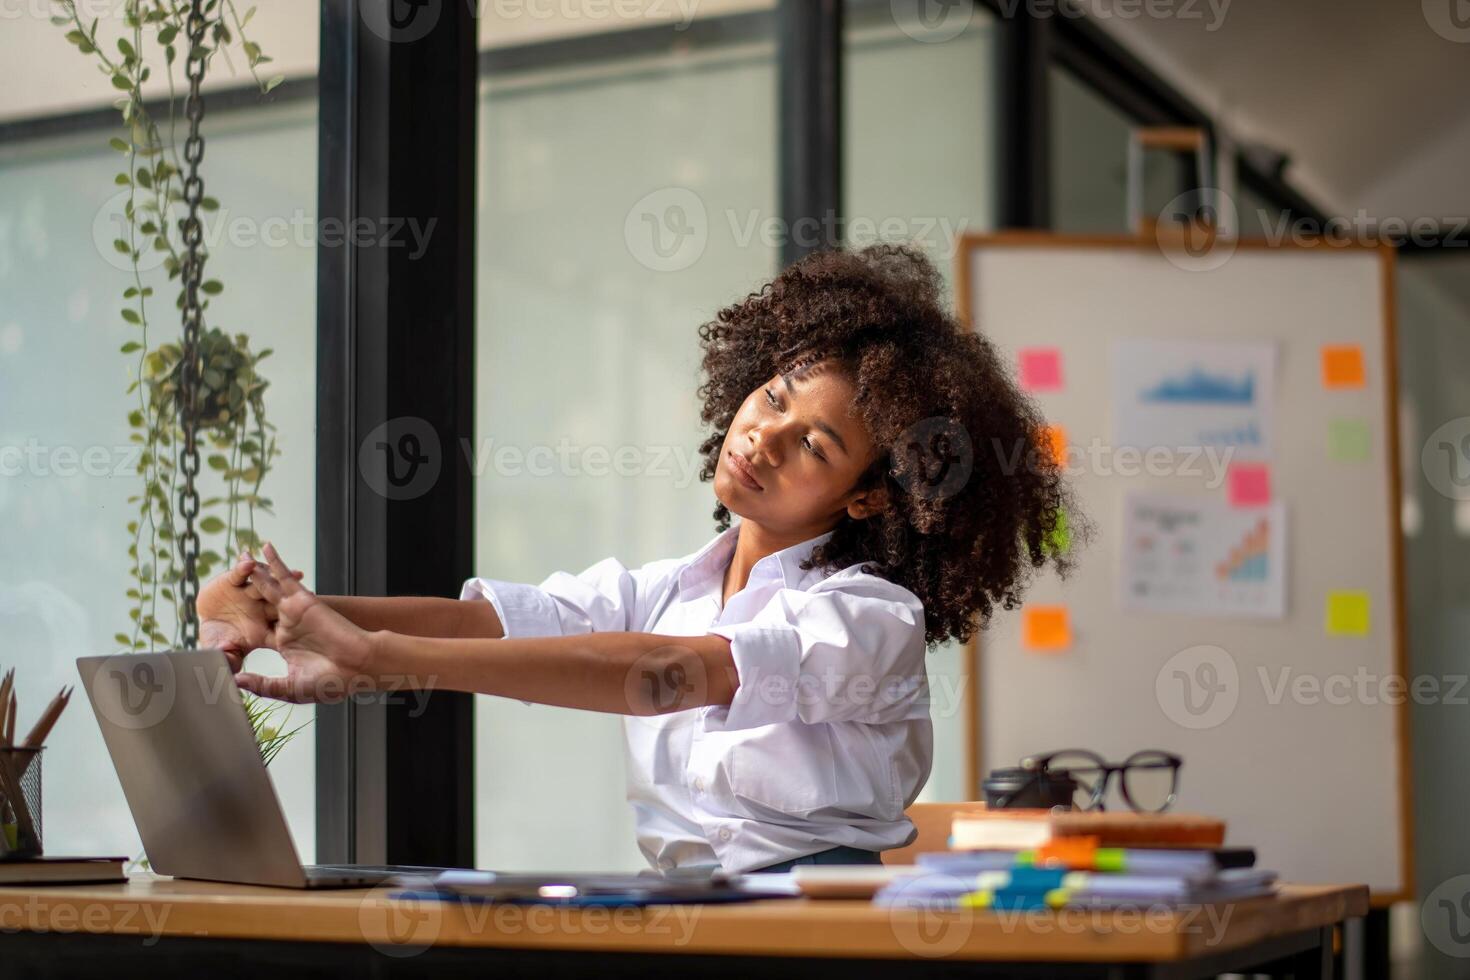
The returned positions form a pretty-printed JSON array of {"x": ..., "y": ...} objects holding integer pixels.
[
  {"x": 1045, "y": 628},
  {"x": 1249, "y": 484},
  {"x": 1054, "y": 437},
  {"x": 1342, "y": 366}
]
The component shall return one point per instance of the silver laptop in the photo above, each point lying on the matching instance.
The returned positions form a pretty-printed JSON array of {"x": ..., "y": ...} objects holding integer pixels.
[{"x": 184, "y": 751}]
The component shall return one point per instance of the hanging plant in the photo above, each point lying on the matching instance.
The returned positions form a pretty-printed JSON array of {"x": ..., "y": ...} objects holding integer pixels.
[{"x": 234, "y": 435}]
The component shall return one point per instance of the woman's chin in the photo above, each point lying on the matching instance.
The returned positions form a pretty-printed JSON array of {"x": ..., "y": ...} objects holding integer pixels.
[{"x": 728, "y": 492}]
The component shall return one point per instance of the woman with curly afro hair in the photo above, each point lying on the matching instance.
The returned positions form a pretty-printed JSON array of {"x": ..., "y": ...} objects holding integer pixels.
[{"x": 881, "y": 485}]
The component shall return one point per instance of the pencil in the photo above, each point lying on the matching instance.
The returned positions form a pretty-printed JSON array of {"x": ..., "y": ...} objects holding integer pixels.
[
  {"x": 47, "y": 721},
  {"x": 10, "y": 721},
  {"x": 5, "y": 686}
]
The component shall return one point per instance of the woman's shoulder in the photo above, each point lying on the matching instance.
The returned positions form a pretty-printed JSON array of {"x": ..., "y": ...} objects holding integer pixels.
[{"x": 857, "y": 581}]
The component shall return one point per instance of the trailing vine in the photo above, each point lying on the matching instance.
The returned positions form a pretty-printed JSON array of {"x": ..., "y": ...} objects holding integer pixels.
[{"x": 230, "y": 403}]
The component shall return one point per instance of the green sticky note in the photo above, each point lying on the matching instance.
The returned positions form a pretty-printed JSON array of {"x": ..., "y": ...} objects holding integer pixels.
[
  {"x": 1348, "y": 440},
  {"x": 1059, "y": 541},
  {"x": 1347, "y": 613}
]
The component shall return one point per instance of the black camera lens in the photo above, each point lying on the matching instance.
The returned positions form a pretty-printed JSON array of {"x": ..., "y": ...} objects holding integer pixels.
[{"x": 1014, "y": 788}]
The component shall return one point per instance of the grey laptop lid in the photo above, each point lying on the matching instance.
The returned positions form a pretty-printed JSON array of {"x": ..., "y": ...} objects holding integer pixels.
[{"x": 180, "y": 740}]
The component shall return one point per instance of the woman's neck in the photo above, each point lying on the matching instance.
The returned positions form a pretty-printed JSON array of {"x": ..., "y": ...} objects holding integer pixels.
[{"x": 753, "y": 543}]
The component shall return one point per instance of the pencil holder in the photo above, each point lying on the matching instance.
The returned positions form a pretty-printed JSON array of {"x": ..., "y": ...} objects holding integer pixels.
[{"x": 20, "y": 804}]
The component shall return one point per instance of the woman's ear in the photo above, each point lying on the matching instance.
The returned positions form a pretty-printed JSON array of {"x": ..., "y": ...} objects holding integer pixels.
[{"x": 867, "y": 503}]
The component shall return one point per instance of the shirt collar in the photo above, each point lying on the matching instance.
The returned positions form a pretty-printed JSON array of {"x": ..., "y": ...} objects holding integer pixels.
[
  {"x": 712, "y": 559},
  {"x": 789, "y": 560},
  {"x": 709, "y": 561}
]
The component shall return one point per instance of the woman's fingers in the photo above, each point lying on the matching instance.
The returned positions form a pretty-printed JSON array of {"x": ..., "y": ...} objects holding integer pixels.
[
  {"x": 289, "y": 581},
  {"x": 265, "y": 582},
  {"x": 239, "y": 572},
  {"x": 248, "y": 565}
]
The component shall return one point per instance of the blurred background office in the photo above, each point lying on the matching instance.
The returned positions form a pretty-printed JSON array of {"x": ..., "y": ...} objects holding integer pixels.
[{"x": 635, "y": 163}]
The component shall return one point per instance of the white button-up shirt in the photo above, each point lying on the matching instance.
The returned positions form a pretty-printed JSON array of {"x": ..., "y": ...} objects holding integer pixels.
[{"x": 828, "y": 739}]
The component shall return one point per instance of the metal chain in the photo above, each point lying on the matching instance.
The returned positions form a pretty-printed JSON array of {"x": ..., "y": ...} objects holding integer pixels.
[{"x": 192, "y": 274}]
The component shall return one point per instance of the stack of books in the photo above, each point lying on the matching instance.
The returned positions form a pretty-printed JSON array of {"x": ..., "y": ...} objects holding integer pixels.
[
  {"x": 1019, "y": 859},
  {"x": 62, "y": 870},
  {"x": 984, "y": 829}
]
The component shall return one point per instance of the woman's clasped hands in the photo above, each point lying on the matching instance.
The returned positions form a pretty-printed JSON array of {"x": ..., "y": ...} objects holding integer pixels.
[{"x": 263, "y": 604}]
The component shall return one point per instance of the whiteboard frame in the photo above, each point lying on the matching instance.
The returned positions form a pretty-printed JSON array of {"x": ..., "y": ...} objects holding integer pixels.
[{"x": 969, "y": 243}]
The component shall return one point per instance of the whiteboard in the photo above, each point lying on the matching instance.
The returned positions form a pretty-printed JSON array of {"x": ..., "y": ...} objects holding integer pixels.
[{"x": 1311, "y": 772}]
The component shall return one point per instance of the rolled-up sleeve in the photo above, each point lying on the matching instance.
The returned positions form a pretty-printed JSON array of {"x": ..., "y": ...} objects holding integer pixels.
[
  {"x": 605, "y": 598},
  {"x": 850, "y": 649}
]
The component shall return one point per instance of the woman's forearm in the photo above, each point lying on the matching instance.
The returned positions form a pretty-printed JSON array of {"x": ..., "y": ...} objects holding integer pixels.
[
  {"x": 419, "y": 615},
  {"x": 623, "y": 673}
]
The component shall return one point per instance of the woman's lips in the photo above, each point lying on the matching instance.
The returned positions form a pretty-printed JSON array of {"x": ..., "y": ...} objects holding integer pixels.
[{"x": 743, "y": 471}]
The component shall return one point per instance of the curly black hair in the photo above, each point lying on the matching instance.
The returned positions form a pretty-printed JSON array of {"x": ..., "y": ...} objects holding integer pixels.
[{"x": 976, "y": 498}]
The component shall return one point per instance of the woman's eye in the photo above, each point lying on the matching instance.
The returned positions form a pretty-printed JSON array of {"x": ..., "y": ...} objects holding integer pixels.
[
  {"x": 771, "y": 399},
  {"x": 811, "y": 447}
]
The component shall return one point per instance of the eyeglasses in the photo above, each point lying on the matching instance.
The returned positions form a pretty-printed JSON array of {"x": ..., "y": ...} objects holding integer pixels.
[{"x": 1149, "y": 779}]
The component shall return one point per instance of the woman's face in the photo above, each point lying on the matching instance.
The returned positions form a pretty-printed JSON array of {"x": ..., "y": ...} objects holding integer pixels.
[{"x": 793, "y": 454}]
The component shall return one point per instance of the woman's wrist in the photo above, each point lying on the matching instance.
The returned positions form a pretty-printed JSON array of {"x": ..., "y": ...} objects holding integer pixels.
[
  {"x": 377, "y": 659},
  {"x": 394, "y": 663}
]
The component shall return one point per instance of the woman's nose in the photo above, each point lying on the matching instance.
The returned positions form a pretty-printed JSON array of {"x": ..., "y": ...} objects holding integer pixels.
[{"x": 766, "y": 443}]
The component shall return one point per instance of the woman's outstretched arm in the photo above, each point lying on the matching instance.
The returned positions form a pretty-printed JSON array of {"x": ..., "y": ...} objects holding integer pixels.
[
  {"x": 419, "y": 615},
  {"x": 234, "y": 617},
  {"x": 621, "y": 673},
  {"x": 328, "y": 658}
]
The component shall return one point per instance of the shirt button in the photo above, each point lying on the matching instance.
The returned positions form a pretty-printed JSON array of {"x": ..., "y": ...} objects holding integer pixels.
[
  {"x": 698, "y": 785},
  {"x": 724, "y": 833}
]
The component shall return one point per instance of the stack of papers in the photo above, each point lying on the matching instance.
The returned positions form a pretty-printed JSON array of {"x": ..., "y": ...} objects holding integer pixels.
[{"x": 1079, "y": 878}]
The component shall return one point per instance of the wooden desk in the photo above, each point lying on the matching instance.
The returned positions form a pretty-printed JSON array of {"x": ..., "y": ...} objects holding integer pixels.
[{"x": 160, "y": 927}]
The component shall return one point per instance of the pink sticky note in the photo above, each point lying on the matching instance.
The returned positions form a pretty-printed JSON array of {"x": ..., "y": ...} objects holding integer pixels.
[
  {"x": 1041, "y": 368},
  {"x": 1249, "y": 484}
]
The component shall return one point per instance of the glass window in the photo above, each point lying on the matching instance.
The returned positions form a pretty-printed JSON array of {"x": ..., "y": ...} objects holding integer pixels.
[
  {"x": 1089, "y": 161},
  {"x": 66, "y": 460},
  {"x": 1434, "y": 433},
  {"x": 625, "y": 195},
  {"x": 1257, "y": 217},
  {"x": 927, "y": 177}
]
